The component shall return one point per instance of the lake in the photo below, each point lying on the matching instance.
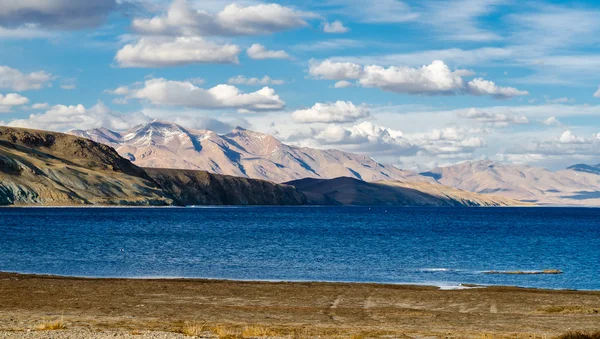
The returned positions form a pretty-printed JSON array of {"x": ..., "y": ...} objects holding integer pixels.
[{"x": 432, "y": 246}]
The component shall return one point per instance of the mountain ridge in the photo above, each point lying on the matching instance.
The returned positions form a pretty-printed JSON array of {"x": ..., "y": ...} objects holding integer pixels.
[
  {"x": 526, "y": 183},
  {"x": 241, "y": 152}
]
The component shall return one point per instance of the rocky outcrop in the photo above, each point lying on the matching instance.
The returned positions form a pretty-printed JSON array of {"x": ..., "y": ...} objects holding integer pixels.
[
  {"x": 202, "y": 188},
  {"x": 46, "y": 168}
]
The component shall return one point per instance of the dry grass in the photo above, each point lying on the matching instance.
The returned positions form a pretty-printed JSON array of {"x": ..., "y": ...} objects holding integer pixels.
[
  {"x": 52, "y": 325},
  {"x": 136, "y": 332},
  {"x": 224, "y": 332},
  {"x": 580, "y": 335},
  {"x": 259, "y": 331},
  {"x": 193, "y": 330}
]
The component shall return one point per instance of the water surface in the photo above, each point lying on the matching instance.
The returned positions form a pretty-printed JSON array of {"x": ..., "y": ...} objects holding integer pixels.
[{"x": 438, "y": 246}]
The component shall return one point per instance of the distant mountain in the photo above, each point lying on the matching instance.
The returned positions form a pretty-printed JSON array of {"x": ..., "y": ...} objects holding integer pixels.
[
  {"x": 526, "y": 183},
  {"x": 586, "y": 168},
  {"x": 350, "y": 191},
  {"x": 241, "y": 153}
]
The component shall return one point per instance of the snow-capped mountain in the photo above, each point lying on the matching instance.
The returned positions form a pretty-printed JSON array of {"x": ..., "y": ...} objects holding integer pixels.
[
  {"x": 527, "y": 183},
  {"x": 241, "y": 152}
]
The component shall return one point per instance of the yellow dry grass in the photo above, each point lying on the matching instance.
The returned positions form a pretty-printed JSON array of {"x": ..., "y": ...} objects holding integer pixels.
[
  {"x": 193, "y": 330},
  {"x": 256, "y": 331},
  {"x": 58, "y": 324}
]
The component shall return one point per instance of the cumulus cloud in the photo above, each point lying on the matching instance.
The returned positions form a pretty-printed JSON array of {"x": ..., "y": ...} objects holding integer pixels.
[
  {"x": 449, "y": 142},
  {"x": 18, "y": 81},
  {"x": 480, "y": 86},
  {"x": 566, "y": 145},
  {"x": 182, "y": 20},
  {"x": 264, "y": 81},
  {"x": 259, "y": 52},
  {"x": 121, "y": 90},
  {"x": 153, "y": 52},
  {"x": 433, "y": 79},
  {"x": 493, "y": 118},
  {"x": 63, "y": 118},
  {"x": 366, "y": 137},
  {"x": 335, "y": 27},
  {"x": 339, "y": 112},
  {"x": 343, "y": 84},
  {"x": 552, "y": 121},
  {"x": 184, "y": 93},
  {"x": 54, "y": 14},
  {"x": 597, "y": 94},
  {"x": 8, "y": 101},
  {"x": 567, "y": 137}
]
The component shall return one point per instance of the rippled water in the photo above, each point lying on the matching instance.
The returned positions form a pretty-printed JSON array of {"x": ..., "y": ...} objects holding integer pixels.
[{"x": 440, "y": 246}]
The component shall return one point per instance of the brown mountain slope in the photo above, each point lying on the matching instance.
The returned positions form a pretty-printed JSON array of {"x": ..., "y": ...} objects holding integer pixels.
[
  {"x": 47, "y": 168},
  {"x": 189, "y": 187},
  {"x": 349, "y": 191}
]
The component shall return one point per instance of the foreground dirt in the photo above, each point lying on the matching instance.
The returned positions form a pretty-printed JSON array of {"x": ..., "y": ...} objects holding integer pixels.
[{"x": 163, "y": 308}]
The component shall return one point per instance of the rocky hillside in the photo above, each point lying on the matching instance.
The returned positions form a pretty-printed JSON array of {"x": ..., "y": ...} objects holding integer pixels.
[
  {"x": 575, "y": 186},
  {"x": 350, "y": 191},
  {"x": 55, "y": 169},
  {"x": 189, "y": 187},
  {"x": 241, "y": 153},
  {"x": 46, "y": 168}
]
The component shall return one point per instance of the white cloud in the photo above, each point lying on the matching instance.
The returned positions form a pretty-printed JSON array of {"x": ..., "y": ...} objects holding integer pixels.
[
  {"x": 433, "y": 79},
  {"x": 552, "y": 121},
  {"x": 54, "y": 14},
  {"x": 40, "y": 106},
  {"x": 259, "y": 52},
  {"x": 13, "y": 99},
  {"x": 8, "y": 101},
  {"x": 450, "y": 142},
  {"x": 366, "y": 137},
  {"x": 563, "y": 100},
  {"x": 335, "y": 27},
  {"x": 495, "y": 119},
  {"x": 68, "y": 87},
  {"x": 164, "y": 52},
  {"x": 339, "y": 111},
  {"x": 597, "y": 94},
  {"x": 343, "y": 84},
  {"x": 121, "y": 90},
  {"x": 264, "y": 81},
  {"x": 63, "y": 118},
  {"x": 480, "y": 86},
  {"x": 567, "y": 137},
  {"x": 15, "y": 80},
  {"x": 181, "y": 20},
  {"x": 181, "y": 93}
]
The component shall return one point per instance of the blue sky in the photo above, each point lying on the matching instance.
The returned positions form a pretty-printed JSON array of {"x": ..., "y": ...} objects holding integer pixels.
[{"x": 415, "y": 83}]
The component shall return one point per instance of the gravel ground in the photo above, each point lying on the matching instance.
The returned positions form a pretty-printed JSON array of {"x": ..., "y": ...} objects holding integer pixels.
[{"x": 83, "y": 333}]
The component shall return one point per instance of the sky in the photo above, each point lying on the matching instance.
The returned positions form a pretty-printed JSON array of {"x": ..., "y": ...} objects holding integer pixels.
[{"x": 417, "y": 84}]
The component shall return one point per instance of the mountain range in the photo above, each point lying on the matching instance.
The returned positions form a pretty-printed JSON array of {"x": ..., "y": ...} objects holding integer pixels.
[
  {"x": 241, "y": 153},
  {"x": 44, "y": 168},
  {"x": 249, "y": 154},
  {"x": 577, "y": 185}
]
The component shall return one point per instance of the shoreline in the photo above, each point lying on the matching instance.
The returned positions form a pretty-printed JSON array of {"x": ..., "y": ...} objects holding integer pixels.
[
  {"x": 318, "y": 309},
  {"x": 444, "y": 287}
]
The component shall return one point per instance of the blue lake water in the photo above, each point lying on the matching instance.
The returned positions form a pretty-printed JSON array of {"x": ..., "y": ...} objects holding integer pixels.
[{"x": 434, "y": 246}]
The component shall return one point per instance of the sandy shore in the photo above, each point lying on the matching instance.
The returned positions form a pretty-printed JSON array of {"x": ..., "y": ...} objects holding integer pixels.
[{"x": 133, "y": 308}]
